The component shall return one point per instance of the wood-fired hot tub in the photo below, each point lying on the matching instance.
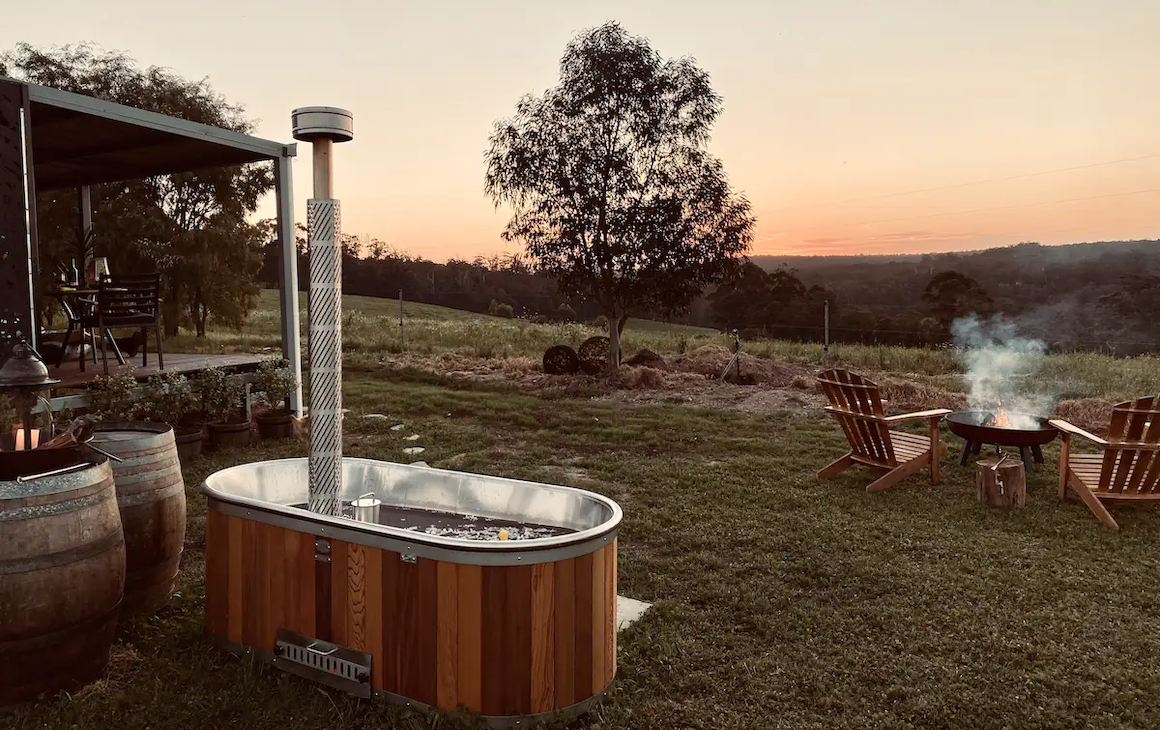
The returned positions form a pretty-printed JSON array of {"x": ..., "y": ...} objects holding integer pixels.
[{"x": 417, "y": 607}]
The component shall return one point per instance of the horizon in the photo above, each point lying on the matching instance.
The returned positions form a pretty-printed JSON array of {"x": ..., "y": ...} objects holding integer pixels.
[{"x": 895, "y": 130}]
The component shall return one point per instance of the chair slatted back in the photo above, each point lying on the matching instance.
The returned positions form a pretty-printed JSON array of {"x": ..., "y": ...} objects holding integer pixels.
[
  {"x": 1133, "y": 471},
  {"x": 124, "y": 296},
  {"x": 858, "y": 408}
]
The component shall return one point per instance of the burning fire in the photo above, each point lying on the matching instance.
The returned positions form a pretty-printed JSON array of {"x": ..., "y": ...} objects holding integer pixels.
[{"x": 999, "y": 418}]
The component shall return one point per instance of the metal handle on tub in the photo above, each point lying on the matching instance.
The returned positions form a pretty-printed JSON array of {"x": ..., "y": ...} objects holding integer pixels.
[
  {"x": 102, "y": 452},
  {"x": 54, "y": 472}
]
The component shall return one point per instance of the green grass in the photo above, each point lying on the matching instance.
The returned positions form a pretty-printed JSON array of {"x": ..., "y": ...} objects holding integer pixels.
[
  {"x": 780, "y": 601},
  {"x": 371, "y": 331}
]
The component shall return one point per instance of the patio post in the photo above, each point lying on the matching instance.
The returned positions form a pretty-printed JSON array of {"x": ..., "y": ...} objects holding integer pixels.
[
  {"x": 288, "y": 281},
  {"x": 17, "y": 226},
  {"x": 85, "y": 201}
]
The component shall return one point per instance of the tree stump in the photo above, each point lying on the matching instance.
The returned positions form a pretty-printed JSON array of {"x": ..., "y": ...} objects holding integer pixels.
[{"x": 1005, "y": 486}]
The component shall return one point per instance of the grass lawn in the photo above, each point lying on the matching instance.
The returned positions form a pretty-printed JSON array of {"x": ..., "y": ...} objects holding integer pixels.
[
  {"x": 780, "y": 601},
  {"x": 370, "y": 335}
]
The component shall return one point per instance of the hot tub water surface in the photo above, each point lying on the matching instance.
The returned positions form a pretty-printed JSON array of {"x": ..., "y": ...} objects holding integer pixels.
[{"x": 450, "y": 524}]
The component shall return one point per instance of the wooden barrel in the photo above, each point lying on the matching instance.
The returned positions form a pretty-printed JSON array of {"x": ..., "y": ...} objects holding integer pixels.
[
  {"x": 62, "y": 572},
  {"x": 151, "y": 495}
]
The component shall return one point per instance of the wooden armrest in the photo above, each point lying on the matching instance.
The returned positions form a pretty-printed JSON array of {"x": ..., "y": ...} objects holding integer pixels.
[
  {"x": 1068, "y": 430},
  {"x": 932, "y": 414}
]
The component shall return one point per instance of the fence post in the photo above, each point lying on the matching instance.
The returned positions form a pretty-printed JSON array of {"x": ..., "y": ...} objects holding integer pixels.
[
  {"x": 826, "y": 336},
  {"x": 400, "y": 320}
]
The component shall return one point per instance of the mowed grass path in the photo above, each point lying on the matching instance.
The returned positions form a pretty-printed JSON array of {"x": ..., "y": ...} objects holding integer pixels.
[{"x": 780, "y": 601}]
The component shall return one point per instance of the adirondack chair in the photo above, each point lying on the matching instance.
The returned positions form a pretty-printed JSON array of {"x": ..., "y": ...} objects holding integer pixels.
[
  {"x": 855, "y": 402},
  {"x": 1129, "y": 467}
]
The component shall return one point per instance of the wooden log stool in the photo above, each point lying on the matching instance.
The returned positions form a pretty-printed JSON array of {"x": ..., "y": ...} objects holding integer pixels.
[{"x": 1001, "y": 481}]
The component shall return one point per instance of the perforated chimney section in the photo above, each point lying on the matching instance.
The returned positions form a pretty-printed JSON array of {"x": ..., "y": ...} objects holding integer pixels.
[{"x": 323, "y": 126}]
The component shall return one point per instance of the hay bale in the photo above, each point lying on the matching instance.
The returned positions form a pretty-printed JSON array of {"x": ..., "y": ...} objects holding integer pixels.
[
  {"x": 593, "y": 354},
  {"x": 561, "y": 360}
]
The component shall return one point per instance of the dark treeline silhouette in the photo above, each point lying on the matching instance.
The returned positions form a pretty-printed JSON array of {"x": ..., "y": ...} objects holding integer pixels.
[
  {"x": 372, "y": 269},
  {"x": 1100, "y": 297}
]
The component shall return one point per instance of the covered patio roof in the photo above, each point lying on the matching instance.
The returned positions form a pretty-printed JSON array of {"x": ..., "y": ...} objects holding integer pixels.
[
  {"x": 80, "y": 140},
  {"x": 52, "y": 139}
]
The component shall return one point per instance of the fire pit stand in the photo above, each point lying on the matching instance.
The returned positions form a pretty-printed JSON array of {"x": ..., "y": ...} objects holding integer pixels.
[
  {"x": 1029, "y": 454},
  {"x": 976, "y": 429}
]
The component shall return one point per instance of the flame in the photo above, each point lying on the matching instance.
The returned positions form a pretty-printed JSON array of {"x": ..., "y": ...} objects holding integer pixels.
[{"x": 999, "y": 418}]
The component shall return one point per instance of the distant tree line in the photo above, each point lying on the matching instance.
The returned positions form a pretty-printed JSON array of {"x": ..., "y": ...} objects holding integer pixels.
[{"x": 1091, "y": 297}]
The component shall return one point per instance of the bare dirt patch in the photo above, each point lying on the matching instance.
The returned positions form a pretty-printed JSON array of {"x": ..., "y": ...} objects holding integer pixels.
[
  {"x": 755, "y": 399},
  {"x": 691, "y": 379}
]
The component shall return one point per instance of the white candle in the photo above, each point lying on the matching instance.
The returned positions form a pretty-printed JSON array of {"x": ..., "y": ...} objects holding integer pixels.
[{"x": 35, "y": 438}]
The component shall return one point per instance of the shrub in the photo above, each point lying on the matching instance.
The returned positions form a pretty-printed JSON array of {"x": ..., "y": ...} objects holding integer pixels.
[
  {"x": 564, "y": 313},
  {"x": 275, "y": 381},
  {"x": 504, "y": 310},
  {"x": 111, "y": 398},
  {"x": 221, "y": 396},
  {"x": 168, "y": 398}
]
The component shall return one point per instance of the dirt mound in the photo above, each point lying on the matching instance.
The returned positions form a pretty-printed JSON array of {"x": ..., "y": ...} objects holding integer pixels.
[
  {"x": 906, "y": 396},
  {"x": 647, "y": 358},
  {"x": 1090, "y": 414},
  {"x": 644, "y": 377},
  {"x": 709, "y": 360}
]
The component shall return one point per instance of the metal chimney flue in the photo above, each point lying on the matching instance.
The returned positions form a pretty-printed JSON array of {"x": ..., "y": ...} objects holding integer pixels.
[{"x": 322, "y": 126}]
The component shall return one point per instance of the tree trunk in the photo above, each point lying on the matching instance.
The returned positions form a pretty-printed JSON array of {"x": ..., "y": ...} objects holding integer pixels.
[
  {"x": 615, "y": 329},
  {"x": 201, "y": 318}
]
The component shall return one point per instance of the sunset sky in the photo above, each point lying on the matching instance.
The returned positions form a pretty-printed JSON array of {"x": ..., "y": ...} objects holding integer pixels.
[{"x": 852, "y": 126}]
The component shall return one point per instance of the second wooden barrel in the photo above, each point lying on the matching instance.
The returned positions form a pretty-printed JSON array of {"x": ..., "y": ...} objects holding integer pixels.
[
  {"x": 62, "y": 572},
  {"x": 151, "y": 495}
]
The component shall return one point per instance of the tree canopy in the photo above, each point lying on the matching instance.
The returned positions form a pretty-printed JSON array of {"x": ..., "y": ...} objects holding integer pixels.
[
  {"x": 613, "y": 191},
  {"x": 951, "y": 295},
  {"x": 190, "y": 227}
]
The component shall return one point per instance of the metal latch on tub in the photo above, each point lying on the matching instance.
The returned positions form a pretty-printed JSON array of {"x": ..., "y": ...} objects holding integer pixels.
[
  {"x": 322, "y": 550},
  {"x": 323, "y": 662}
]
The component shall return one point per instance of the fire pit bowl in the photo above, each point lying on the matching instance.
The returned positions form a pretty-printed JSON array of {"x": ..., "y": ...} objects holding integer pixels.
[
  {"x": 976, "y": 428},
  {"x": 495, "y": 594}
]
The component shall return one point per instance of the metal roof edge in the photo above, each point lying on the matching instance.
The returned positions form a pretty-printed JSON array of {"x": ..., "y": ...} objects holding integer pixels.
[{"x": 152, "y": 120}]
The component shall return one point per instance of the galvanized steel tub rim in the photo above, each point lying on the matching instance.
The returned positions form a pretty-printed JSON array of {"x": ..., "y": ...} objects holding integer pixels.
[{"x": 587, "y": 537}]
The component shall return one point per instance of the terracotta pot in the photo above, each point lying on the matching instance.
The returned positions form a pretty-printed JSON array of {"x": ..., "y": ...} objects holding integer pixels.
[
  {"x": 229, "y": 435},
  {"x": 275, "y": 424},
  {"x": 189, "y": 442}
]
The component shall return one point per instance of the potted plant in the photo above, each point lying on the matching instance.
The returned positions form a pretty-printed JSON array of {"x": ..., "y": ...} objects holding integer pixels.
[
  {"x": 222, "y": 399},
  {"x": 275, "y": 381},
  {"x": 111, "y": 398},
  {"x": 169, "y": 398}
]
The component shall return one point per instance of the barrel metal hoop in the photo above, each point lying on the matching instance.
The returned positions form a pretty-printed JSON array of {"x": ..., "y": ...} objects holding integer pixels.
[
  {"x": 147, "y": 496},
  {"x": 53, "y": 638},
  {"x": 64, "y": 557},
  {"x": 64, "y": 506}
]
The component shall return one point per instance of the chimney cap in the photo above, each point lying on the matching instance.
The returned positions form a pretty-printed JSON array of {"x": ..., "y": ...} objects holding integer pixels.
[{"x": 311, "y": 123}]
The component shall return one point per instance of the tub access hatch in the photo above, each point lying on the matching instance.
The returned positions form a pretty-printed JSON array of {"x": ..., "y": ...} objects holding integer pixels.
[{"x": 323, "y": 662}]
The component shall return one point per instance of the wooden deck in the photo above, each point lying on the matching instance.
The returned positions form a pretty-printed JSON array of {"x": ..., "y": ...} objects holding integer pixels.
[{"x": 71, "y": 376}]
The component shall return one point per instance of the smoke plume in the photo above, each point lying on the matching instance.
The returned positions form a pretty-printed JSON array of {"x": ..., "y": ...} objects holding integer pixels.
[{"x": 1001, "y": 366}]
